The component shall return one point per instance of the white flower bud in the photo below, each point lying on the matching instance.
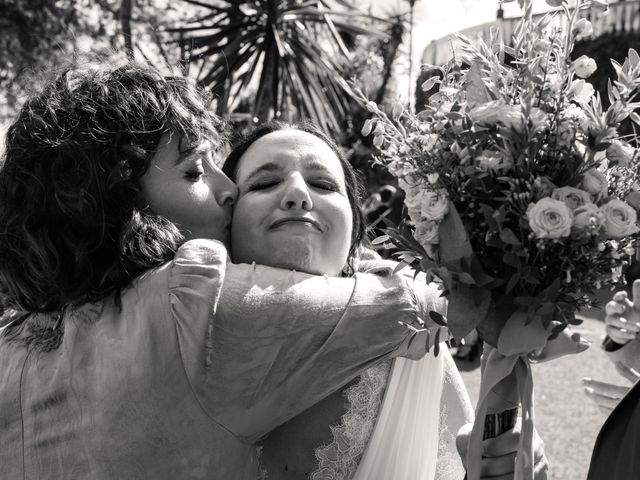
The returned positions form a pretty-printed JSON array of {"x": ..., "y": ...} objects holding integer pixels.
[
  {"x": 584, "y": 66},
  {"x": 366, "y": 128},
  {"x": 371, "y": 106},
  {"x": 583, "y": 28}
]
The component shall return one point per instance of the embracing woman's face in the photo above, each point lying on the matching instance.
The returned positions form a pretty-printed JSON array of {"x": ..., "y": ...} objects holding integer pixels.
[
  {"x": 292, "y": 209},
  {"x": 190, "y": 190}
]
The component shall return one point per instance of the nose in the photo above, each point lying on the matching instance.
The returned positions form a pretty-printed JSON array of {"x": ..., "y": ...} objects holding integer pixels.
[
  {"x": 296, "y": 194},
  {"x": 226, "y": 191}
]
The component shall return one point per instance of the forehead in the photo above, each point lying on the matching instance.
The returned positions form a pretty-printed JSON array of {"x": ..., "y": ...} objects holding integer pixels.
[
  {"x": 289, "y": 149},
  {"x": 173, "y": 149}
]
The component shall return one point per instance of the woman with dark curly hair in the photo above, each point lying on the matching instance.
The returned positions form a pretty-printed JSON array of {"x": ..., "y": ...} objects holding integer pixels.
[{"x": 130, "y": 346}]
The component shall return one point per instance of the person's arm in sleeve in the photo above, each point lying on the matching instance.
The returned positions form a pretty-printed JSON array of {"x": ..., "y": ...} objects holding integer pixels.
[{"x": 261, "y": 345}]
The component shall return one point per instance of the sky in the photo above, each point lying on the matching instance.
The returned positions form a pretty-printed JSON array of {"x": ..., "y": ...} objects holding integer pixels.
[{"x": 434, "y": 19}]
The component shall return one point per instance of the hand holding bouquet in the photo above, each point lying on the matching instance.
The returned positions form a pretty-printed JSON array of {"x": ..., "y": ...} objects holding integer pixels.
[{"x": 515, "y": 181}]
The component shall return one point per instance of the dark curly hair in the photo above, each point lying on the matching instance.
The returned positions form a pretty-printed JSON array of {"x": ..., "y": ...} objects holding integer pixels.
[
  {"x": 72, "y": 225},
  {"x": 353, "y": 183}
]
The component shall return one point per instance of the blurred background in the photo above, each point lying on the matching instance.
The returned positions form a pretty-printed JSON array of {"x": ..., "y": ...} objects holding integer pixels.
[{"x": 291, "y": 59}]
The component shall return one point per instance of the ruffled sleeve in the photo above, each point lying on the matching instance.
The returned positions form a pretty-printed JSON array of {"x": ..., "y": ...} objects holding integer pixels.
[{"x": 260, "y": 345}]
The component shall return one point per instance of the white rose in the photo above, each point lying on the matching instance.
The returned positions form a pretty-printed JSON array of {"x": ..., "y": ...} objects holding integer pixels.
[
  {"x": 426, "y": 233},
  {"x": 435, "y": 204},
  {"x": 584, "y": 66},
  {"x": 620, "y": 153},
  {"x": 581, "y": 92},
  {"x": 549, "y": 218},
  {"x": 587, "y": 216},
  {"x": 572, "y": 197},
  {"x": 595, "y": 183},
  {"x": 619, "y": 218}
]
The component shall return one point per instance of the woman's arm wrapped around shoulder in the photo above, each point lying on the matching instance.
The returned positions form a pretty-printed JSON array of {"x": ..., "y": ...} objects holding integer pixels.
[{"x": 261, "y": 345}]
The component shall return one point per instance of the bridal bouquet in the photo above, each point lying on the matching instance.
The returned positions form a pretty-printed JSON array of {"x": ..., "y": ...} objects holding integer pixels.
[{"x": 517, "y": 185}]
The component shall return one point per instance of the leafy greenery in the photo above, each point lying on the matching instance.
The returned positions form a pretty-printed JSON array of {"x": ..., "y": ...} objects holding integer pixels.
[{"x": 289, "y": 52}]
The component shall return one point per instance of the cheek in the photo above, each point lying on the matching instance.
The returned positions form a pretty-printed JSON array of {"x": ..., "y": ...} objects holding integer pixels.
[
  {"x": 341, "y": 218},
  {"x": 246, "y": 215}
]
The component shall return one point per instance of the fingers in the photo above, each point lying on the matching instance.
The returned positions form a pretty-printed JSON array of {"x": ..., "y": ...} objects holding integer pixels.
[
  {"x": 497, "y": 467},
  {"x": 502, "y": 444},
  {"x": 541, "y": 469},
  {"x": 620, "y": 331},
  {"x": 499, "y": 453},
  {"x": 621, "y": 319},
  {"x": 636, "y": 294},
  {"x": 604, "y": 403},
  {"x": 627, "y": 372},
  {"x": 615, "y": 307},
  {"x": 462, "y": 441},
  {"x": 621, "y": 323},
  {"x": 604, "y": 388},
  {"x": 502, "y": 466},
  {"x": 605, "y": 395}
]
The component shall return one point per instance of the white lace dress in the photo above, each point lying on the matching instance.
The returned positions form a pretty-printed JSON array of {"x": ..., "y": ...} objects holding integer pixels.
[{"x": 400, "y": 423}]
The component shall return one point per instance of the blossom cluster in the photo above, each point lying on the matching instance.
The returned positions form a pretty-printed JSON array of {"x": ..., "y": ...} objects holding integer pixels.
[{"x": 519, "y": 143}]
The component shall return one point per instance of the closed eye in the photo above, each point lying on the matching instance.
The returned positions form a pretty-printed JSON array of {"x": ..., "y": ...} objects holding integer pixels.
[
  {"x": 263, "y": 184},
  {"x": 325, "y": 185},
  {"x": 194, "y": 175}
]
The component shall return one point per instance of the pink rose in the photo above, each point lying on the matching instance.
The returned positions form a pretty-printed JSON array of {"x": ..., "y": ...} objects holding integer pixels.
[
  {"x": 426, "y": 233},
  {"x": 572, "y": 197},
  {"x": 587, "y": 216},
  {"x": 549, "y": 218},
  {"x": 619, "y": 218},
  {"x": 435, "y": 204}
]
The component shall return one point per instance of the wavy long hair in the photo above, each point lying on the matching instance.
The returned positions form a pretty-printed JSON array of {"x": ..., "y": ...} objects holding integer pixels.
[{"x": 73, "y": 227}]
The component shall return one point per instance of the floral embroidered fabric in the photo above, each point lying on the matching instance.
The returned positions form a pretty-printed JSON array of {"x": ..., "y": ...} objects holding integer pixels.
[{"x": 339, "y": 459}]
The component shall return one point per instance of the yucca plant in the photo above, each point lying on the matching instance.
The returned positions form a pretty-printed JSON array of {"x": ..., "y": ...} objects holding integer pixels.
[{"x": 289, "y": 52}]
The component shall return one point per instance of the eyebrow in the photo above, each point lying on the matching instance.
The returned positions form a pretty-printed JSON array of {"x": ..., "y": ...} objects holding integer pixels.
[{"x": 189, "y": 152}]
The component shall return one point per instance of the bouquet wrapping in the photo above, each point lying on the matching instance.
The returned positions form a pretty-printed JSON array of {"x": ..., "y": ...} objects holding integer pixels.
[{"x": 519, "y": 191}]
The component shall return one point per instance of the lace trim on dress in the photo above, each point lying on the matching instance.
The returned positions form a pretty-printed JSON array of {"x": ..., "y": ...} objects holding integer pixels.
[
  {"x": 339, "y": 459},
  {"x": 448, "y": 466}
]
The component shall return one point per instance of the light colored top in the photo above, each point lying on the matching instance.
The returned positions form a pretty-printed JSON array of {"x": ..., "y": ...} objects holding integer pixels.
[{"x": 201, "y": 359}]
